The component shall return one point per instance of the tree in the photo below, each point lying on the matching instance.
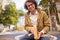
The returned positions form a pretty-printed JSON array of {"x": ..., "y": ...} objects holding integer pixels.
[
  {"x": 21, "y": 12},
  {"x": 10, "y": 15},
  {"x": 52, "y": 6},
  {"x": 45, "y": 6},
  {"x": 1, "y": 5},
  {"x": 44, "y": 3}
]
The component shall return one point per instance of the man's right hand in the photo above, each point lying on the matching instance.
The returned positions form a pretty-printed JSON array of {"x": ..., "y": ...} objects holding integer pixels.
[{"x": 31, "y": 29}]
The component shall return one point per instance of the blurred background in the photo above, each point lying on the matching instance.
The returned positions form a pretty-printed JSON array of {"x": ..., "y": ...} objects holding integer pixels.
[{"x": 12, "y": 15}]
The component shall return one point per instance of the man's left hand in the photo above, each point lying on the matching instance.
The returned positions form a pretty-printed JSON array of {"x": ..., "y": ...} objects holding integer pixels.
[{"x": 39, "y": 34}]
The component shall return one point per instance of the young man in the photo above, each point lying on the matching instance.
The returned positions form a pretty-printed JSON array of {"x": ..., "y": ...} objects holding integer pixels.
[{"x": 36, "y": 17}]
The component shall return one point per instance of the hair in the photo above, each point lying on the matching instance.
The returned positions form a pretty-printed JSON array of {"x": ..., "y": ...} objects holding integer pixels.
[{"x": 33, "y": 1}]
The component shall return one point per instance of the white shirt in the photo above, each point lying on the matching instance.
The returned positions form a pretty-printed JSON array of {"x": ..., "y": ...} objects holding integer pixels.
[{"x": 34, "y": 20}]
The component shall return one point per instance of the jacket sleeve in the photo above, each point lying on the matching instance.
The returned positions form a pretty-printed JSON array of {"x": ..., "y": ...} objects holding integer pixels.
[
  {"x": 27, "y": 25},
  {"x": 46, "y": 22}
]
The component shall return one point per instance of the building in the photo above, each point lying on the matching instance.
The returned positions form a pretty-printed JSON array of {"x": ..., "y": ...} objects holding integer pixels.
[{"x": 58, "y": 4}]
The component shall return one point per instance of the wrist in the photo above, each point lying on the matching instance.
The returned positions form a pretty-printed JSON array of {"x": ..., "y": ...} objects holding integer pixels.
[
  {"x": 36, "y": 39},
  {"x": 42, "y": 32}
]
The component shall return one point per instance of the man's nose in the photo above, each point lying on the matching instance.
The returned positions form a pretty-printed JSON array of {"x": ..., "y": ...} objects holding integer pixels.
[{"x": 30, "y": 6}]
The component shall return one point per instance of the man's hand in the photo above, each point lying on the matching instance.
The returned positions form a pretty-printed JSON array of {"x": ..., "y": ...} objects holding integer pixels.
[
  {"x": 39, "y": 34},
  {"x": 31, "y": 29}
]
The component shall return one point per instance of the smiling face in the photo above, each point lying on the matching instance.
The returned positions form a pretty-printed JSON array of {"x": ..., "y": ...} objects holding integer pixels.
[{"x": 30, "y": 6}]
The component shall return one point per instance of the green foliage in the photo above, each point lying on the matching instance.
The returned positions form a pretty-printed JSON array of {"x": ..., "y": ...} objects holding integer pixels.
[
  {"x": 46, "y": 11},
  {"x": 2, "y": 18},
  {"x": 43, "y": 3},
  {"x": 52, "y": 7},
  {"x": 21, "y": 12},
  {"x": 10, "y": 15}
]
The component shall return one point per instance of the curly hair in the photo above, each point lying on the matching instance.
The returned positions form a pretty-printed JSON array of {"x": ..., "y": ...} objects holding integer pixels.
[{"x": 33, "y": 1}]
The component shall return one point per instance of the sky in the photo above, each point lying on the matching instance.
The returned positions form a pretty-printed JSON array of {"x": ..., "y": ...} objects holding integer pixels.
[{"x": 20, "y": 4}]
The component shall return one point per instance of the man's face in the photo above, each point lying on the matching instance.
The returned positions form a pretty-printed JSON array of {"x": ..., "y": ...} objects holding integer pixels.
[{"x": 30, "y": 6}]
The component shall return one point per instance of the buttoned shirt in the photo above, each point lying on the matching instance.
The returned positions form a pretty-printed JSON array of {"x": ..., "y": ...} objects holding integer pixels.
[{"x": 33, "y": 18}]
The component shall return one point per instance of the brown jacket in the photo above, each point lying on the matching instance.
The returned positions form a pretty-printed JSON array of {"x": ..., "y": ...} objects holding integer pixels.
[{"x": 42, "y": 20}]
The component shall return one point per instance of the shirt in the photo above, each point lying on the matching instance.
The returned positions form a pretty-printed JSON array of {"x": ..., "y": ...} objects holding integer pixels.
[{"x": 34, "y": 20}]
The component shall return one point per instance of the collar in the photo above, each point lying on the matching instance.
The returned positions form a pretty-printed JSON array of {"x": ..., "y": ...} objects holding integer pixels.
[{"x": 35, "y": 13}]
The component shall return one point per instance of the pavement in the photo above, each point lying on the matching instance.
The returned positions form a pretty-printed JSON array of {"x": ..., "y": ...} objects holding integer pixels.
[
  {"x": 55, "y": 33},
  {"x": 12, "y": 35}
]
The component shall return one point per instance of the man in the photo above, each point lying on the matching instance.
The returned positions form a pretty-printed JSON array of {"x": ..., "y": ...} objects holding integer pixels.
[{"x": 38, "y": 18}]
